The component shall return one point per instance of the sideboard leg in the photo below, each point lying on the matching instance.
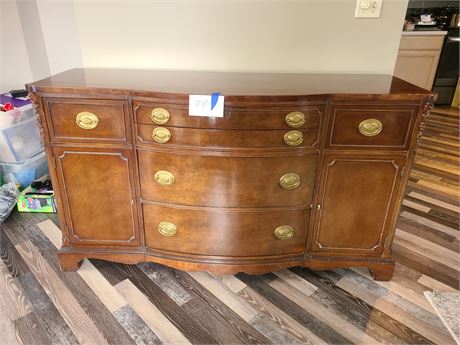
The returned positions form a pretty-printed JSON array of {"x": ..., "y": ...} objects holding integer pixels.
[
  {"x": 69, "y": 262},
  {"x": 382, "y": 272}
]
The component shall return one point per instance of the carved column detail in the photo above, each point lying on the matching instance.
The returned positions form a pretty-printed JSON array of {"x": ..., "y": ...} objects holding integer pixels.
[
  {"x": 38, "y": 112},
  {"x": 426, "y": 113}
]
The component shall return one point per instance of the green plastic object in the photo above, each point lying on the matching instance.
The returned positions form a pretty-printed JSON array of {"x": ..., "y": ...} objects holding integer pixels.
[{"x": 36, "y": 202}]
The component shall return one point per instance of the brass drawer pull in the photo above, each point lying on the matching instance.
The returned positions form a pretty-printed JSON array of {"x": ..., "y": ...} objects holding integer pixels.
[
  {"x": 167, "y": 229},
  {"x": 161, "y": 134},
  {"x": 293, "y": 138},
  {"x": 160, "y": 116},
  {"x": 284, "y": 232},
  {"x": 295, "y": 119},
  {"x": 370, "y": 127},
  {"x": 290, "y": 181},
  {"x": 87, "y": 120},
  {"x": 164, "y": 178}
]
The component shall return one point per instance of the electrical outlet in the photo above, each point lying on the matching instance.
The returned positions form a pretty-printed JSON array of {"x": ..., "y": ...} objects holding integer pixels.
[{"x": 368, "y": 8}]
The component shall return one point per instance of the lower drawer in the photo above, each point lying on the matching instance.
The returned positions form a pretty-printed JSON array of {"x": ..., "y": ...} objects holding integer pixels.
[{"x": 225, "y": 232}]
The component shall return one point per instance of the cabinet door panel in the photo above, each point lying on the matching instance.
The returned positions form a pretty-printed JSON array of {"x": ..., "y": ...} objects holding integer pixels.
[
  {"x": 98, "y": 196},
  {"x": 357, "y": 203}
]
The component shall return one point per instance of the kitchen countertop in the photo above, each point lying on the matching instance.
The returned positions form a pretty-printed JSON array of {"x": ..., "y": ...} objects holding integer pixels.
[{"x": 424, "y": 33}]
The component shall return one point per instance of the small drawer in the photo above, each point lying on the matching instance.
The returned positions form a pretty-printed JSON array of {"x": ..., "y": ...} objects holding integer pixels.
[
  {"x": 227, "y": 181},
  {"x": 225, "y": 232},
  {"x": 240, "y": 118},
  {"x": 369, "y": 127},
  {"x": 87, "y": 120},
  {"x": 231, "y": 139}
]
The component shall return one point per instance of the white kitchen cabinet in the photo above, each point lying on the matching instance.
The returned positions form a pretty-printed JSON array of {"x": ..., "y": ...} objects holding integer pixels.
[{"x": 418, "y": 57}]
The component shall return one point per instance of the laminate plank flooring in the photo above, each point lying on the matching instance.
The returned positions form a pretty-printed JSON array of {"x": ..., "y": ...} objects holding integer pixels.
[
  {"x": 80, "y": 323},
  {"x": 30, "y": 330},
  {"x": 14, "y": 302},
  {"x": 109, "y": 303},
  {"x": 141, "y": 333},
  {"x": 50, "y": 319}
]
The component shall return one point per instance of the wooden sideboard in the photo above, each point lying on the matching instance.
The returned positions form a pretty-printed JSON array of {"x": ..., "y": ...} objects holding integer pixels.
[{"x": 302, "y": 170}]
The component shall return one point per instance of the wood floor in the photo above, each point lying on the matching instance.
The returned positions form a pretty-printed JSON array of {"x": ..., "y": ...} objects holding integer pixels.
[{"x": 106, "y": 303}]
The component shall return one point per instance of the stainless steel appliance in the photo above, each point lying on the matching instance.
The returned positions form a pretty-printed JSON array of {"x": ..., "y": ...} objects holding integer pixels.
[{"x": 447, "y": 73}]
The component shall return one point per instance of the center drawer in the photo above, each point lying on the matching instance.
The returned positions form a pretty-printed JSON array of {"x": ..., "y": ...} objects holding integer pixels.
[
  {"x": 227, "y": 181},
  {"x": 251, "y": 117},
  {"x": 227, "y": 139},
  {"x": 225, "y": 232}
]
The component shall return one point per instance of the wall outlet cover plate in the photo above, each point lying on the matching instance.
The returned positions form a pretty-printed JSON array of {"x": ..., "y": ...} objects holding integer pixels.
[{"x": 368, "y": 8}]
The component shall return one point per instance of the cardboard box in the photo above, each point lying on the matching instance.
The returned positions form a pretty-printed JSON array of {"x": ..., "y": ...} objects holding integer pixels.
[{"x": 30, "y": 200}]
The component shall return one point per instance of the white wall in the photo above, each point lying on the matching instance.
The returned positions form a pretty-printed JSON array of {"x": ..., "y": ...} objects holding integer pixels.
[
  {"x": 38, "y": 38},
  {"x": 319, "y": 36},
  {"x": 34, "y": 38},
  {"x": 60, "y": 34},
  {"x": 15, "y": 68},
  {"x": 43, "y": 37}
]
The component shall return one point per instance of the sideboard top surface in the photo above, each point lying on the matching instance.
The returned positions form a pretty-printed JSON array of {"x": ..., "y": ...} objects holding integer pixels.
[{"x": 146, "y": 82}]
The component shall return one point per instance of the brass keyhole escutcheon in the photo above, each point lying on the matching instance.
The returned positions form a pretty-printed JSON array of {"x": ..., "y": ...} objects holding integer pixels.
[
  {"x": 295, "y": 119},
  {"x": 370, "y": 127},
  {"x": 284, "y": 232},
  {"x": 290, "y": 181},
  {"x": 87, "y": 120},
  {"x": 164, "y": 178},
  {"x": 167, "y": 229},
  {"x": 293, "y": 138},
  {"x": 160, "y": 116},
  {"x": 161, "y": 135}
]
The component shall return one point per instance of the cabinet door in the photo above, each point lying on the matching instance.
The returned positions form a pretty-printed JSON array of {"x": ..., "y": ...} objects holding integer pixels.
[
  {"x": 357, "y": 204},
  {"x": 98, "y": 195},
  {"x": 417, "y": 67}
]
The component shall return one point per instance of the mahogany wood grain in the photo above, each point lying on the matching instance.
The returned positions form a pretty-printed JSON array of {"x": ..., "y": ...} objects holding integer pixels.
[
  {"x": 170, "y": 83},
  {"x": 226, "y": 200},
  {"x": 234, "y": 117},
  {"x": 69, "y": 259},
  {"x": 356, "y": 203},
  {"x": 112, "y": 115},
  {"x": 227, "y": 181},
  {"x": 396, "y": 120},
  {"x": 225, "y": 232},
  {"x": 226, "y": 139},
  {"x": 99, "y": 196}
]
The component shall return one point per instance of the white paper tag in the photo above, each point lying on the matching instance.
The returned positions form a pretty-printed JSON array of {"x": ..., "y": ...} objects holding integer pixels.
[{"x": 201, "y": 105}]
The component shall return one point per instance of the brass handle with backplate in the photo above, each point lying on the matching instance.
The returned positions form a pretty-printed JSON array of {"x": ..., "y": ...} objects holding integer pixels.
[
  {"x": 293, "y": 138},
  {"x": 295, "y": 119},
  {"x": 164, "y": 178},
  {"x": 290, "y": 181},
  {"x": 160, "y": 116},
  {"x": 161, "y": 135},
  {"x": 370, "y": 127},
  {"x": 284, "y": 232},
  {"x": 167, "y": 229},
  {"x": 87, "y": 120}
]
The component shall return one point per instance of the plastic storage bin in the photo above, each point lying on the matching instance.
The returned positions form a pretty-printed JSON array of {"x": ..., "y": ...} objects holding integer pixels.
[
  {"x": 29, "y": 170},
  {"x": 20, "y": 136}
]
